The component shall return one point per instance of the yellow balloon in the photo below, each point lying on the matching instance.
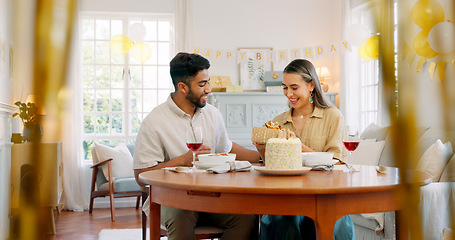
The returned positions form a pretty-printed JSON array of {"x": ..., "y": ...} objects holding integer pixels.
[
  {"x": 121, "y": 44},
  {"x": 422, "y": 46},
  {"x": 427, "y": 13},
  {"x": 141, "y": 51},
  {"x": 363, "y": 54},
  {"x": 372, "y": 47}
]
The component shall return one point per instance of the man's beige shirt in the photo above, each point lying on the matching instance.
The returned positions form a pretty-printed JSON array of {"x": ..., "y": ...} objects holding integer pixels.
[{"x": 322, "y": 131}]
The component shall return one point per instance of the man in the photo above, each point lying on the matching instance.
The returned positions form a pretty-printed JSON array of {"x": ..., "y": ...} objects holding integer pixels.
[{"x": 161, "y": 142}]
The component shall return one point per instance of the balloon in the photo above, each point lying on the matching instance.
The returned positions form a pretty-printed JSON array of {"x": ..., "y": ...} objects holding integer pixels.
[
  {"x": 421, "y": 45},
  {"x": 120, "y": 44},
  {"x": 441, "y": 37},
  {"x": 363, "y": 53},
  {"x": 357, "y": 34},
  {"x": 141, "y": 51},
  {"x": 427, "y": 13},
  {"x": 372, "y": 47},
  {"x": 137, "y": 32}
]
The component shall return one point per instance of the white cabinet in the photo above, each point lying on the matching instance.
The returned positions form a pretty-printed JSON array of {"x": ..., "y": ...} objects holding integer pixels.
[
  {"x": 49, "y": 172},
  {"x": 5, "y": 160},
  {"x": 243, "y": 111}
]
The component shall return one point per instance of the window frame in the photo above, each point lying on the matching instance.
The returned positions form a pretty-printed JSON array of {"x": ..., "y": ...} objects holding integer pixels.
[{"x": 126, "y": 113}]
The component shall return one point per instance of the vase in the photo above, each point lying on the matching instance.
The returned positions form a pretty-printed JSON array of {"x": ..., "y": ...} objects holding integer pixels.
[{"x": 30, "y": 134}]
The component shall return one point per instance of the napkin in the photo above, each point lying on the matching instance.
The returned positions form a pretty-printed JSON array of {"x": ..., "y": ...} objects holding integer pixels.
[
  {"x": 321, "y": 165},
  {"x": 231, "y": 166}
]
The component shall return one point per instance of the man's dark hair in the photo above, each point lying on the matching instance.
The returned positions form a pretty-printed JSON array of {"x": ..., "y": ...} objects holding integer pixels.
[{"x": 184, "y": 66}]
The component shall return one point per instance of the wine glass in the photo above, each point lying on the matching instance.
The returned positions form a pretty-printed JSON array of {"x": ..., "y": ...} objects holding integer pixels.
[
  {"x": 194, "y": 140},
  {"x": 351, "y": 141}
]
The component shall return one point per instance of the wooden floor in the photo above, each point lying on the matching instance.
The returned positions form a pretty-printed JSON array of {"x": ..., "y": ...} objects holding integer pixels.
[{"x": 85, "y": 226}]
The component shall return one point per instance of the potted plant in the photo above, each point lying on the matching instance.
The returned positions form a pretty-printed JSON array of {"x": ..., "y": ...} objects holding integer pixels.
[{"x": 28, "y": 114}]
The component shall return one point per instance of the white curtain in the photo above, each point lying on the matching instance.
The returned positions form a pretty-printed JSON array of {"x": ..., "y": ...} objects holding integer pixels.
[
  {"x": 349, "y": 84},
  {"x": 75, "y": 188},
  {"x": 183, "y": 25}
]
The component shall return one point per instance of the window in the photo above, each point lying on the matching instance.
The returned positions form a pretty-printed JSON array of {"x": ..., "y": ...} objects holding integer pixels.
[
  {"x": 119, "y": 91},
  {"x": 363, "y": 89},
  {"x": 362, "y": 86}
]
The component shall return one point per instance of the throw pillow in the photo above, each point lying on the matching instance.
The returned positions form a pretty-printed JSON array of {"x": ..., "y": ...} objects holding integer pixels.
[
  {"x": 367, "y": 153},
  {"x": 434, "y": 159},
  {"x": 122, "y": 161},
  {"x": 431, "y": 135},
  {"x": 448, "y": 175},
  {"x": 374, "y": 131}
]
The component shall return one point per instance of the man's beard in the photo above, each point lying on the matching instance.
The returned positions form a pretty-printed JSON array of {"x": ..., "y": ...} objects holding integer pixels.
[{"x": 195, "y": 99}]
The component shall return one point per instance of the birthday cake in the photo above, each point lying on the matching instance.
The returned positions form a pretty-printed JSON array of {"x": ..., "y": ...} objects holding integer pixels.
[{"x": 283, "y": 154}]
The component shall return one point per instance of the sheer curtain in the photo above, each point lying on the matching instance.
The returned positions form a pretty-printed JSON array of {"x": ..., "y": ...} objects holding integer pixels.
[
  {"x": 75, "y": 184},
  {"x": 350, "y": 84},
  {"x": 183, "y": 25}
]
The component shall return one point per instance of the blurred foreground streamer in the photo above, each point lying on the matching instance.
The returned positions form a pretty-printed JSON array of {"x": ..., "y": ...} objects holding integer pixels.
[
  {"x": 53, "y": 25},
  {"x": 400, "y": 94}
]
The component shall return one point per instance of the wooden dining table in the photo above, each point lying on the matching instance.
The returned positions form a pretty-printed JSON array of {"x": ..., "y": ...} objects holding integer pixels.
[{"x": 324, "y": 196}]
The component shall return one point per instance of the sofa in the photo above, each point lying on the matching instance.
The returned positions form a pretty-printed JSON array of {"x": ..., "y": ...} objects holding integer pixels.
[{"x": 436, "y": 158}]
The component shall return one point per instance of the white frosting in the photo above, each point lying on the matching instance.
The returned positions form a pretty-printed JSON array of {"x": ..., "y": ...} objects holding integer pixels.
[{"x": 281, "y": 153}]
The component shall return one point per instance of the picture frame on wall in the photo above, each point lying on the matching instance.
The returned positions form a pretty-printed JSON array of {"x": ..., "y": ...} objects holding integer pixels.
[{"x": 253, "y": 63}]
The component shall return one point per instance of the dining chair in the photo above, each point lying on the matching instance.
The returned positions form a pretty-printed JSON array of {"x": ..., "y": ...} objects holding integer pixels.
[
  {"x": 114, "y": 187},
  {"x": 201, "y": 232}
]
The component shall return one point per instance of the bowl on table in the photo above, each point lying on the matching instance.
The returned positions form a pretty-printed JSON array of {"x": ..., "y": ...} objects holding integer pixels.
[{"x": 311, "y": 159}]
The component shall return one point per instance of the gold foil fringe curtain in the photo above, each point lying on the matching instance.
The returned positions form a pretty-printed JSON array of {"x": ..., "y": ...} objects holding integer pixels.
[
  {"x": 53, "y": 26},
  {"x": 399, "y": 93}
]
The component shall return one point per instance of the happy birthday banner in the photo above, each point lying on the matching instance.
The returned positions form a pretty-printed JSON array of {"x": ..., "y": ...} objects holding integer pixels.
[{"x": 275, "y": 56}]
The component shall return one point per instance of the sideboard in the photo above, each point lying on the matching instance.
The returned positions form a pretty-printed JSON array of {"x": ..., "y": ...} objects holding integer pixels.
[
  {"x": 243, "y": 111},
  {"x": 6, "y": 111}
]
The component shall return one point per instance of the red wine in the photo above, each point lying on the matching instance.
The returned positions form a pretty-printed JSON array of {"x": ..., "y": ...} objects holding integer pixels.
[
  {"x": 194, "y": 146},
  {"x": 351, "y": 146}
]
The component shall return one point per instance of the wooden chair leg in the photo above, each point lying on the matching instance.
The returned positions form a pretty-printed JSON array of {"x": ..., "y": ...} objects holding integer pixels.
[
  {"x": 111, "y": 196},
  {"x": 90, "y": 210},
  {"x": 144, "y": 218},
  {"x": 137, "y": 201},
  {"x": 53, "y": 222}
]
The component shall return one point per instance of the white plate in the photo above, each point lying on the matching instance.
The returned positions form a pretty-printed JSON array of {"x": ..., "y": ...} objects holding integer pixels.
[
  {"x": 207, "y": 165},
  {"x": 319, "y": 163},
  {"x": 290, "y": 172}
]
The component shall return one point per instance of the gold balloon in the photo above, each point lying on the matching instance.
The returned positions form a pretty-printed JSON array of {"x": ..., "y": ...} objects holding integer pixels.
[
  {"x": 422, "y": 46},
  {"x": 363, "y": 53},
  {"x": 427, "y": 13},
  {"x": 121, "y": 44},
  {"x": 372, "y": 47},
  {"x": 141, "y": 51}
]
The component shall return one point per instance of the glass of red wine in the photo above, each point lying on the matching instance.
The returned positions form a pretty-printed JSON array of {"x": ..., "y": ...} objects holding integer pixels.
[
  {"x": 194, "y": 140},
  {"x": 351, "y": 141}
]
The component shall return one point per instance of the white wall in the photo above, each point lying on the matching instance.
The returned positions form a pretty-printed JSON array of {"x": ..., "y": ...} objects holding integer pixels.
[
  {"x": 5, "y": 43},
  {"x": 282, "y": 25},
  {"x": 157, "y": 6},
  {"x": 232, "y": 24}
]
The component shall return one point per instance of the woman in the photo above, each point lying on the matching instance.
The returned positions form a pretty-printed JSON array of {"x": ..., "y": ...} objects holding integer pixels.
[{"x": 318, "y": 125}]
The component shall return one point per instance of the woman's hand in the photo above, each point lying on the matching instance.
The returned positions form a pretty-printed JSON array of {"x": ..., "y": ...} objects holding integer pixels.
[{"x": 261, "y": 149}]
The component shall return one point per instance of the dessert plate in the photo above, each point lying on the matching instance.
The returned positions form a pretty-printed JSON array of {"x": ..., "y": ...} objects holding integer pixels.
[{"x": 286, "y": 172}]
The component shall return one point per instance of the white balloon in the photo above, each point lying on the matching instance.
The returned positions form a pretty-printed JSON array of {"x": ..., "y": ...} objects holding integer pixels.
[
  {"x": 357, "y": 34},
  {"x": 441, "y": 37},
  {"x": 136, "y": 32}
]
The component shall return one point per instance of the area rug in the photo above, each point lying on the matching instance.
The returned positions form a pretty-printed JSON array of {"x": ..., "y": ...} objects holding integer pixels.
[{"x": 123, "y": 234}]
